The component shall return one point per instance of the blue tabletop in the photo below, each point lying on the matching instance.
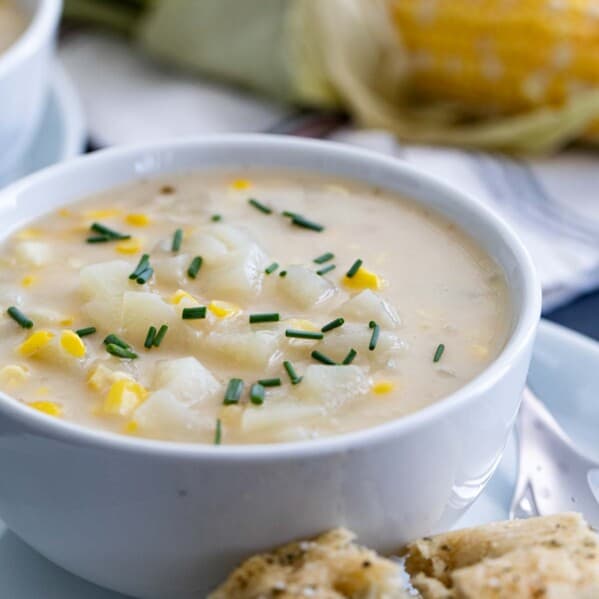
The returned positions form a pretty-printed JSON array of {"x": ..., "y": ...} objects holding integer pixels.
[{"x": 581, "y": 315}]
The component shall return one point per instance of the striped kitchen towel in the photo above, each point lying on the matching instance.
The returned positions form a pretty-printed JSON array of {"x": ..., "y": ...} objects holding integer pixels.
[{"x": 552, "y": 203}]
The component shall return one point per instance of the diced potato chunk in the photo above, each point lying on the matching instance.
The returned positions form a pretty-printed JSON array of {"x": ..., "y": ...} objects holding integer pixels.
[
  {"x": 305, "y": 288},
  {"x": 186, "y": 378},
  {"x": 252, "y": 349},
  {"x": 171, "y": 270},
  {"x": 141, "y": 310},
  {"x": 367, "y": 306},
  {"x": 163, "y": 416},
  {"x": 104, "y": 285},
  {"x": 33, "y": 253},
  {"x": 238, "y": 275},
  {"x": 332, "y": 386},
  {"x": 337, "y": 343},
  {"x": 206, "y": 245}
]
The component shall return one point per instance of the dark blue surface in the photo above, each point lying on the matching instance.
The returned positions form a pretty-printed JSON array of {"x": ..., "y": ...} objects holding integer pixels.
[{"x": 581, "y": 315}]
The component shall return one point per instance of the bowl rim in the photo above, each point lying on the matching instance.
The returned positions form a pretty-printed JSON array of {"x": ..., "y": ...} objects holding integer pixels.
[
  {"x": 42, "y": 24},
  {"x": 521, "y": 338}
]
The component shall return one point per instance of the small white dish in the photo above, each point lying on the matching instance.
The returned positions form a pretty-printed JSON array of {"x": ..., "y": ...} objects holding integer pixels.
[
  {"x": 24, "y": 78},
  {"x": 61, "y": 134},
  {"x": 181, "y": 515},
  {"x": 564, "y": 373}
]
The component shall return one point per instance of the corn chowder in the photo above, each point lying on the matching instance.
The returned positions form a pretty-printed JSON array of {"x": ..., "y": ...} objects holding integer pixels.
[
  {"x": 257, "y": 309},
  {"x": 12, "y": 24}
]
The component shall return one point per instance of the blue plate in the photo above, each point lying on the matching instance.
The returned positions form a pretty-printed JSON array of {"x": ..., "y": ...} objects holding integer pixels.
[
  {"x": 565, "y": 373},
  {"x": 61, "y": 134}
]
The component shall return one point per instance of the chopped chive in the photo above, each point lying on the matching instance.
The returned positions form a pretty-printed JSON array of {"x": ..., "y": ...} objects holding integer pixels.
[
  {"x": 350, "y": 357},
  {"x": 257, "y": 394},
  {"x": 233, "y": 392},
  {"x": 270, "y": 269},
  {"x": 298, "y": 334},
  {"x": 194, "y": 313},
  {"x": 177, "y": 240},
  {"x": 218, "y": 432},
  {"x": 194, "y": 267},
  {"x": 260, "y": 206},
  {"x": 295, "y": 379},
  {"x": 303, "y": 222},
  {"x": 326, "y": 269},
  {"x": 104, "y": 231},
  {"x": 142, "y": 265},
  {"x": 86, "y": 331},
  {"x": 274, "y": 382},
  {"x": 283, "y": 273},
  {"x": 266, "y": 317},
  {"x": 160, "y": 335},
  {"x": 355, "y": 267},
  {"x": 112, "y": 339},
  {"x": 98, "y": 239},
  {"x": 120, "y": 352},
  {"x": 151, "y": 335},
  {"x": 144, "y": 276},
  {"x": 19, "y": 317},
  {"x": 216, "y": 217},
  {"x": 289, "y": 214},
  {"x": 338, "y": 322},
  {"x": 324, "y": 258},
  {"x": 320, "y": 357},
  {"x": 439, "y": 352},
  {"x": 376, "y": 331}
]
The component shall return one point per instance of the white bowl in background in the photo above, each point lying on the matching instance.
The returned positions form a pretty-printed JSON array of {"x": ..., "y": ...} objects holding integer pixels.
[
  {"x": 157, "y": 519},
  {"x": 25, "y": 71}
]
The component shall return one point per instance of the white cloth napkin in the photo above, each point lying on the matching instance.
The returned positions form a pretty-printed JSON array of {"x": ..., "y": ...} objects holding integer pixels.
[{"x": 552, "y": 203}]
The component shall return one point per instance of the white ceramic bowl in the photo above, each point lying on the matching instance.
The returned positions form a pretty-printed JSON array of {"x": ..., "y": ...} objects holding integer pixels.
[
  {"x": 155, "y": 519},
  {"x": 25, "y": 70}
]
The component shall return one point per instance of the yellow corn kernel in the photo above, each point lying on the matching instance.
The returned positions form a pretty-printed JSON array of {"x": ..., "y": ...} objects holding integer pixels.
[
  {"x": 35, "y": 342},
  {"x": 67, "y": 321},
  {"x": 129, "y": 246},
  {"x": 480, "y": 351},
  {"x": 180, "y": 295},
  {"x": 30, "y": 233},
  {"x": 137, "y": 220},
  {"x": 303, "y": 325},
  {"x": 102, "y": 213},
  {"x": 28, "y": 280},
  {"x": 131, "y": 427},
  {"x": 363, "y": 279},
  {"x": 382, "y": 387},
  {"x": 72, "y": 344},
  {"x": 124, "y": 396},
  {"x": 222, "y": 309},
  {"x": 64, "y": 212},
  {"x": 101, "y": 378},
  {"x": 241, "y": 184},
  {"x": 13, "y": 375},
  {"x": 47, "y": 407}
]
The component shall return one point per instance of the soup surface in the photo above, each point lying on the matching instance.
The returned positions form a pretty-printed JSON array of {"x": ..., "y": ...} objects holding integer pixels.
[
  {"x": 244, "y": 308},
  {"x": 12, "y": 24}
]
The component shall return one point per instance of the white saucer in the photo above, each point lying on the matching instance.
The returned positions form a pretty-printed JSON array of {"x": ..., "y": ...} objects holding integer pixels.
[
  {"x": 565, "y": 373},
  {"x": 61, "y": 134}
]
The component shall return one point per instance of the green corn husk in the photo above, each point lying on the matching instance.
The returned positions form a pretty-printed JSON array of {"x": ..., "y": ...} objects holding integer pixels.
[{"x": 330, "y": 54}]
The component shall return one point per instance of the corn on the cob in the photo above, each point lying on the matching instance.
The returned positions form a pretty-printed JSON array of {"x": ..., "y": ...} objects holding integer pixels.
[{"x": 499, "y": 57}]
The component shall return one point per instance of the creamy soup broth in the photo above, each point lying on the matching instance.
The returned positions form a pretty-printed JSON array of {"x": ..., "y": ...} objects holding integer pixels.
[
  {"x": 430, "y": 303},
  {"x": 12, "y": 24}
]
